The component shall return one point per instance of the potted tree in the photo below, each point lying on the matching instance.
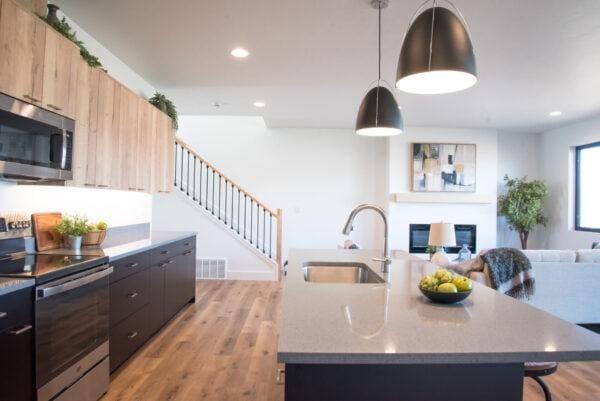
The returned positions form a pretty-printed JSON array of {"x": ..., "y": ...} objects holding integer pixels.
[
  {"x": 72, "y": 229},
  {"x": 522, "y": 205}
]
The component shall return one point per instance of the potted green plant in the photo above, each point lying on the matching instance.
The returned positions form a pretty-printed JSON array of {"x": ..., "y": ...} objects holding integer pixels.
[
  {"x": 522, "y": 205},
  {"x": 72, "y": 229},
  {"x": 165, "y": 105}
]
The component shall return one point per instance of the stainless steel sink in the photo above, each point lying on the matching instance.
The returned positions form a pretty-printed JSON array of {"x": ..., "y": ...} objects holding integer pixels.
[{"x": 340, "y": 272}]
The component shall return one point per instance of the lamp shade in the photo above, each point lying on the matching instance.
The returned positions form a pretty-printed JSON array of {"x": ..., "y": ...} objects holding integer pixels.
[
  {"x": 442, "y": 234},
  {"x": 438, "y": 59},
  {"x": 379, "y": 114}
]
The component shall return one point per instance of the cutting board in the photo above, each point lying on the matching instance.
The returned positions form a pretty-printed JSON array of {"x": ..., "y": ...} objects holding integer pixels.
[{"x": 43, "y": 231}]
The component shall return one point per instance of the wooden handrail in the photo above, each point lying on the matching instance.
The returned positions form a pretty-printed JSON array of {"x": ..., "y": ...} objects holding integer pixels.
[{"x": 227, "y": 179}]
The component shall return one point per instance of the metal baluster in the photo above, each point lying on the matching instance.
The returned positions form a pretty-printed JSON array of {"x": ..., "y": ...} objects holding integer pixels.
[
  {"x": 225, "y": 218},
  {"x": 200, "y": 185},
  {"x": 245, "y": 208},
  {"x": 181, "y": 172},
  {"x": 219, "y": 210},
  {"x": 264, "y": 228},
  {"x": 231, "y": 215},
  {"x": 213, "y": 193},
  {"x": 206, "y": 194},
  {"x": 187, "y": 176},
  {"x": 251, "y": 219},
  {"x": 270, "y": 232},
  {"x": 175, "y": 167},
  {"x": 257, "y": 224},
  {"x": 194, "y": 190},
  {"x": 238, "y": 197}
]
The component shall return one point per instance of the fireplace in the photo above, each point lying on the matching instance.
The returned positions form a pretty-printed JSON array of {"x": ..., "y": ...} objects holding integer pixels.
[{"x": 419, "y": 236}]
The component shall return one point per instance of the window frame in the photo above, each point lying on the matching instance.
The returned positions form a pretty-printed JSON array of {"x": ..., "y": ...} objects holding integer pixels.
[{"x": 578, "y": 149}]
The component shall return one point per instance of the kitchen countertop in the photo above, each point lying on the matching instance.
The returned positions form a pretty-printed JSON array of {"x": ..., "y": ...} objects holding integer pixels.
[
  {"x": 8, "y": 285},
  {"x": 127, "y": 248},
  {"x": 393, "y": 323}
]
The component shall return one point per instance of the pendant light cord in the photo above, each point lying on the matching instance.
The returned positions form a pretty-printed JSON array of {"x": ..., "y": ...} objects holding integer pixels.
[
  {"x": 378, "y": 64},
  {"x": 431, "y": 34}
]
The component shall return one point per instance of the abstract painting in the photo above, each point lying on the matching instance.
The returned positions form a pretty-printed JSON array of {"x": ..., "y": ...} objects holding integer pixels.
[{"x": 443, "y": 167}]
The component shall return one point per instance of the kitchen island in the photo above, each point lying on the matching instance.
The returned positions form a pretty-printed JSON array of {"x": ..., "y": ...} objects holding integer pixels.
[{"x": 385, "y": 341}]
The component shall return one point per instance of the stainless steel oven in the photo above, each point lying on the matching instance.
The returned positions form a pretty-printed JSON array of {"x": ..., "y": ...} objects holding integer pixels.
[
  {"x": 35, "y": 144},
  {"x": 71, "y": 336}
]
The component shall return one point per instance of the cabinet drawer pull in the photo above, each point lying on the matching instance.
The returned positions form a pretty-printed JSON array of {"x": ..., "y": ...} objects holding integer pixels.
[
  {"x": 187, "y": 244},
  {"x": 187, "y": 253},
  {"x": 132, "y": 295},
  {"x": 102, "y": 185},
  {"x": 133, "y": 335},
  {"x": 3, "y": 315},
  {"x": 53, "y": 107},
  {"x": 163, "y": 264},
  {"x": 20, "y": 331},
  {"x": 31, "y": 98},
  {"x": 165, "y": 252},
  {"x": 134, "y": 264},
  {"x": 171, "y": 261},
  {"x": 132, "y": 189}
]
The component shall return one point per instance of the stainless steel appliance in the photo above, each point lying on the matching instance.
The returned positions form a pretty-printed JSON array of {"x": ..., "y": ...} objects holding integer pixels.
[
  {"x": 35, "y": 144},
  {"x": 71, "y": 322}
]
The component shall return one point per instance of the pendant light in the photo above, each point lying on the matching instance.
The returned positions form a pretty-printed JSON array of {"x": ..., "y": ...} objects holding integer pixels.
[
  {"x": 379, "y": 114},
  {"x": 437, "y": 53}
]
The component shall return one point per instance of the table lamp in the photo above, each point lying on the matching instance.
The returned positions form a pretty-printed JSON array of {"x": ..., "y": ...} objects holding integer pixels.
[{"x": 441, "y": 235}]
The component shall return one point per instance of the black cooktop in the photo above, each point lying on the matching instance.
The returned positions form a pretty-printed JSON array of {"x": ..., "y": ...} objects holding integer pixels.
[{"x": 44, "y": 268}]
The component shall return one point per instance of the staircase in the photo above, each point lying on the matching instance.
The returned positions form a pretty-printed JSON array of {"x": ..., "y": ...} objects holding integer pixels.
[{"x": 250, "y": 220}]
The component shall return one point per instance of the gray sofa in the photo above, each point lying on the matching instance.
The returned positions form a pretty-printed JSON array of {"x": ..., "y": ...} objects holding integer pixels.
[{"x": 567, "y": 283}]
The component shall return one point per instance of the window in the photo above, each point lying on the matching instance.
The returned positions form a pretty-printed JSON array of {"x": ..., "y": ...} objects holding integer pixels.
[{"x": 587, "y": 187}]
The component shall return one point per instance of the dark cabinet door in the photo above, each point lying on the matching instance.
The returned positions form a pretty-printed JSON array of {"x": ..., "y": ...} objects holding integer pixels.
[
  {"x": 157, "y": 297},
  {"x": 16, "y": 346},
  {"x": 187, "y": 274},
  {"x": 172, "y": 290}
]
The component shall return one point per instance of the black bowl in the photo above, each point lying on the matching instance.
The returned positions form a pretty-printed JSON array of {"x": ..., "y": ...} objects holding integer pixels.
[{"x": 446, "y": 297}]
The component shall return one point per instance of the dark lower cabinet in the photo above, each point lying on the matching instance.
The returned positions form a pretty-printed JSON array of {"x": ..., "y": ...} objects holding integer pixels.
[
  {"x": 156, "y": 285},
  {"x": 16, "y": 346}
]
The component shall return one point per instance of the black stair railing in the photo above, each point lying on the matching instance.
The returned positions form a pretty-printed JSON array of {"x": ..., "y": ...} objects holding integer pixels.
[{"x": 237, "y": 209}]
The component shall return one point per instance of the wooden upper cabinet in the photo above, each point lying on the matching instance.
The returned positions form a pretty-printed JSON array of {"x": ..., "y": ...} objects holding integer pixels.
[
  {"x": 164, "y": 149},
  {"x": 61, "y": 61},
  {"x": 22, "y": 46},
  {"x": 102, "y": 130},
  {"x": 129, "y": 131},
  {"x": 146, "y": 143}
]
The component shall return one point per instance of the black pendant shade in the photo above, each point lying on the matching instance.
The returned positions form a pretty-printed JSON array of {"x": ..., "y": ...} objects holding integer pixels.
[
  {"x": 436, "y": 59},
  {"x": 379, "y": 114}
]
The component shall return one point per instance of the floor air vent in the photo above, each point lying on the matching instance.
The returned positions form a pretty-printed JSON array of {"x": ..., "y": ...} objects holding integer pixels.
[{"x": 211, "y": 269}]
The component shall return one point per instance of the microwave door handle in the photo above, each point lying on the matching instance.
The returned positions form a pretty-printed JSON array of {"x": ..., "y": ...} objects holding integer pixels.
[
  {"x": 63, "y": 156},
  {"x": 70, "y": 285}
]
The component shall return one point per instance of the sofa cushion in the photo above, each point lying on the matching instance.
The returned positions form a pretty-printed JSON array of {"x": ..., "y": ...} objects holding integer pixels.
[
  {"x": 550, "y": 255},
  {"x": 588, "y": 256}
]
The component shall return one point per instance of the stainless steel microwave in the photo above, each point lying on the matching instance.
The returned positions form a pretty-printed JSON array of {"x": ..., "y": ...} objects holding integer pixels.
[{"x": 35, "y": 144}]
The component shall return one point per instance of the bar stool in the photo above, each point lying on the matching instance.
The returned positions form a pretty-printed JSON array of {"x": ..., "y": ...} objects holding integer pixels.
[{"x": 536, "y": 370}]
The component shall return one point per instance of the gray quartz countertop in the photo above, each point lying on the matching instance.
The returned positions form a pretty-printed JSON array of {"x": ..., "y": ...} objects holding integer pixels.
[
  {"x": 393, "y": 323},
  {"x": 127, "y": 248},
  {"x": 8, "y": 285}
]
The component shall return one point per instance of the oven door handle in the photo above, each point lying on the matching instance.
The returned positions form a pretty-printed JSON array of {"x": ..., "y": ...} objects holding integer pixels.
[{"x": 70, "y": 285}]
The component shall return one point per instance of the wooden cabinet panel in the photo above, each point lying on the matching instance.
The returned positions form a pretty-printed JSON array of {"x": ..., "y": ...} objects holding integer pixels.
[
  {"x": 127, "y": 336},
  {"x": 129, "y": 295},
  {"x": 22, "y": 38},
  {"x": 61, "y": 61},
  {"x": 82, "y": 125},
  {"x": 105, "y": 130},
  {"x": 163, "y": 151},
  {"x": 129, "y": 132},
  {"x": 35, "y": 6},
  {"x": 146, "y": 144}
]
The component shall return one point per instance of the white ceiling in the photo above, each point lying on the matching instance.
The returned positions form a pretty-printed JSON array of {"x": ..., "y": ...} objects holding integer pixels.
[{"x": 312, "y": 60}]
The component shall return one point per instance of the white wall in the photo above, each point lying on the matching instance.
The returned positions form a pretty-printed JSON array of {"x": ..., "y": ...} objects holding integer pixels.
[
  {"x": 115, "y": 67},
  {"x": 557, "y": 169},
  {"x": 315, "y": 175},
  {"x": 518, "y": 156},
  {"x": 483, "y": 215},
  {"x": 115, "y": 207}
]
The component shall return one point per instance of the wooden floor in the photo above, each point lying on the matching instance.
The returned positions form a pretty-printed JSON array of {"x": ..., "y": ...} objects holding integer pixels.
[{"x": 224, "y": 348}]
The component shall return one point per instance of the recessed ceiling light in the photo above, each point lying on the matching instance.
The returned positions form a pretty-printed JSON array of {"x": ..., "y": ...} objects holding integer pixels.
[
  {"x": 259, "y": 104},
  {"x": 555, "y": 113},
  {"x": 240, "y": 52}
]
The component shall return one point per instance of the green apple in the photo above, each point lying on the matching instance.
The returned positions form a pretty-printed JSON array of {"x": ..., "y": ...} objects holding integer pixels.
[
  {"x": 447, "y": 287},
  {"x": 444, "y": 276},
  {"x": 462, "y": 283}
]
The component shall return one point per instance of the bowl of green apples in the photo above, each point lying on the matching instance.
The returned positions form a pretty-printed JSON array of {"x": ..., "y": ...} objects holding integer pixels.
[{"x": 445, "y": 287}]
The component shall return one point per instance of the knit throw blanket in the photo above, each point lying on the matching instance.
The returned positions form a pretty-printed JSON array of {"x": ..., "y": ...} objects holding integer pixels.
[{"x": 509, "y": 272}]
